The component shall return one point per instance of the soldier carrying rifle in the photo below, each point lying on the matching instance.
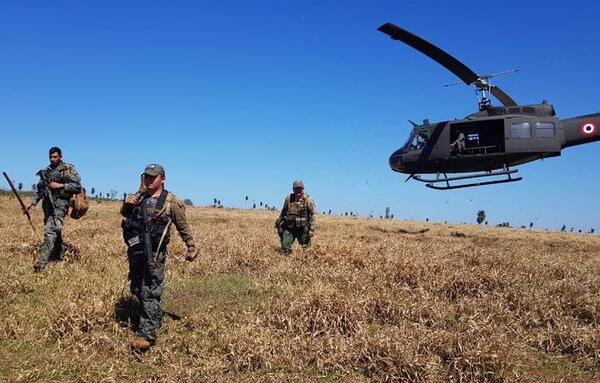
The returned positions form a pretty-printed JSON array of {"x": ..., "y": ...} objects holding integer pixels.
[
  {"x": 297, "y": 219},
  {"x": 57, "y": 184},
  {"x": 146, "y": 231}
]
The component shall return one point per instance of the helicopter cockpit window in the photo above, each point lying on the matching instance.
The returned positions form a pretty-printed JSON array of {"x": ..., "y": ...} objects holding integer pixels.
[
  {"x": 417, "y": 139},
  {"x": 520, "y": 130},
  {"x": 544, "y": 129}
]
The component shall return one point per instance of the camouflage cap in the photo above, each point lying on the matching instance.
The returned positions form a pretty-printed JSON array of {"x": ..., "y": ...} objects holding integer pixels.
[
  {"x": 154, "y": 170},
  {"x": 298, "y": 184}
]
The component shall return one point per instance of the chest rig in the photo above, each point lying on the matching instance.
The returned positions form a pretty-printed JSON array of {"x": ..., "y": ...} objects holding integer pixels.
[
  {"x": 56, "y": 174},
  {"x": 297, "y": 211},
  {"x": 134, "y": 227}
]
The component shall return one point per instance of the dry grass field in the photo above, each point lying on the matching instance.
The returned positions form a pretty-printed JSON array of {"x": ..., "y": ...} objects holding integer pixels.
[{"x": 370, "y": 300}]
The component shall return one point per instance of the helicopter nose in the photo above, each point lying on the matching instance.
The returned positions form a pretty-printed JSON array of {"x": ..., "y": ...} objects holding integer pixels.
[{"x": 396, "y": 161}]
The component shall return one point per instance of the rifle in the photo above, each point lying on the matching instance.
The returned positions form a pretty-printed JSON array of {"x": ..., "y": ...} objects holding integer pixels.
[
  {"x": 47, "y": 192},
  {"x": 148, "y": 252},
  {"x": 279, "y": 223},
  {"x": 20, "y": 200}
]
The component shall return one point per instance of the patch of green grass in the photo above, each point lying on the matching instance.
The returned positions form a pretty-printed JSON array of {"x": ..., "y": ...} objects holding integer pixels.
[{"x": 554, "y": 370}]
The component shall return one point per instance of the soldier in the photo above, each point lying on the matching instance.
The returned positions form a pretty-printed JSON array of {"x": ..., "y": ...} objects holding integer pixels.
[
  {"x": 58, "y": 183},
  {"x": 459, "y": 143},
  {"x": 297, "y": 219},
  {"x": 148, "y": 217}
]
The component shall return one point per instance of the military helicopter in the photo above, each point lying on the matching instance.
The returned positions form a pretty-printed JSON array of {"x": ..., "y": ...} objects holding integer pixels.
[{"x": 489, "y": 142}]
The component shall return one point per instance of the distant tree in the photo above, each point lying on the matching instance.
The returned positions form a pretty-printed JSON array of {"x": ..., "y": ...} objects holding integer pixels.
[
  {"x": 426, "y": 219},
  {"x": 100, "y": 194},
  {"x": 530, "y": 225},
  {"x": 346, "y": 213},
  {"x": 219, "y": 203},
  {"x": 214, "y": 202},
  {"x": 381, "y": 217},
  {"x": 124, "y": 196},
  {"x": 480, "y": 217},
  {"x": 254, "y": 206},
  {"x": 563, "y": 228},
  {"x": 107, "y": 195},
  {"x": 266, "y": 206},
  {"x": 579, "y": 230},
  {"x": 246, "y": 198},
  {"x": 20, "y": 186},
  {"x": 329, "y": 212},
  {"x": 188, "y": 202},
  {"x": 93, "y": 190},
  {"x": 260, "y": 203},
  {"x": 486, "y": 223},
  {"x": 572, "y": 229},
  {"x": 592, "y": 231},
  {"x": 387, "y": 212},
  {"x": 113, "y": 193},
  {"x": 391, "y": 216}
]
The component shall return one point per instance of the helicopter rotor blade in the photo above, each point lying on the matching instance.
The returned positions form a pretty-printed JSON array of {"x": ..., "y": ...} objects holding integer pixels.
[
  {"x": 443, "y": 58},
  {"x": 504, "y": 98}
]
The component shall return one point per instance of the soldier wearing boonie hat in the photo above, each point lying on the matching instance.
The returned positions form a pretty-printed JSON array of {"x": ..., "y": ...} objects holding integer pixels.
[{"x": 152, "y": 209}]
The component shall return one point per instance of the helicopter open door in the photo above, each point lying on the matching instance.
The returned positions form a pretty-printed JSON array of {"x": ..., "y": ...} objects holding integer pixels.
[{"x": 479, "y": 137}]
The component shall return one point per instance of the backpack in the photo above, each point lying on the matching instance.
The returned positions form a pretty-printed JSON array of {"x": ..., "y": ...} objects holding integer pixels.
[{"x": 79, "y": 204}]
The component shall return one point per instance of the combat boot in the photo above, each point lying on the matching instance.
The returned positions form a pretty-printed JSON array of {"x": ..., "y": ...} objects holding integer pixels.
[
  {"x": 38, "y": 267},
  {"x": 61, "y": 254},
  {"x": 140, "y": 344}
]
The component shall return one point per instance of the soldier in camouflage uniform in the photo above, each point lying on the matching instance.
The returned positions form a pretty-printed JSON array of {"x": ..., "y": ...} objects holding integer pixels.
[
  {"x": 297, "y": 219},
  {"x": 147, "y": 273},
  {"x": 58, "y": 183}
]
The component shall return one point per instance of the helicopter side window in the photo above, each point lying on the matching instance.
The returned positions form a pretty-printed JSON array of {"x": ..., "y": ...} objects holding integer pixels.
[
  {"x": 544, "y": 129},
  {"x": 520, "y": 130}
]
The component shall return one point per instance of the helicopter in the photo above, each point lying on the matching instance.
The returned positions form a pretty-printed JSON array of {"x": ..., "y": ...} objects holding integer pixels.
[{"x": 488, "y": 143}]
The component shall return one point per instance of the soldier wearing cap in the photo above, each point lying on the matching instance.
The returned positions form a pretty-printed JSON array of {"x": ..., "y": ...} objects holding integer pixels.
[
  {"x": 58, "y": 183},
  {"x": 152, "y": 209},
  {"x": 297, "y": 219}
]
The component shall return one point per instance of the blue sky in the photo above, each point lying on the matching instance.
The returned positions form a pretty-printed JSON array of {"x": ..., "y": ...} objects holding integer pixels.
[{"x": 240, "y": 98}]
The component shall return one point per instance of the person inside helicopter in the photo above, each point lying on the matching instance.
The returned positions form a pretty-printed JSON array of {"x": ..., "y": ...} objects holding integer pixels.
[{"x": 459, "y": 143}]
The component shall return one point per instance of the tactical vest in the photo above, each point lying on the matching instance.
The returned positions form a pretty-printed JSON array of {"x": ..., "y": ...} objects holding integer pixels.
[
  {"x": 297, "y": 211},
  {"x": 134, "y": 227},
  {"x": 56, "y": 175}
]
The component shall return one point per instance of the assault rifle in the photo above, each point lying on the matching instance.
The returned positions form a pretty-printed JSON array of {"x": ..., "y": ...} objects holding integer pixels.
[
  {"x": 20, "y": 200},
  {"x": 148, "y": 252},
  {"x": 44, "y": 188}
]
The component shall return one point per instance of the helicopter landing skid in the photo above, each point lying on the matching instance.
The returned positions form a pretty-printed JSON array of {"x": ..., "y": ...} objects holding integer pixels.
[{"x": 431, "y": 183}]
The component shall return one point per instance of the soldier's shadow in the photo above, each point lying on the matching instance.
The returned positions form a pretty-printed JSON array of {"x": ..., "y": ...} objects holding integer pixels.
[{"x": 127, "y": 312}]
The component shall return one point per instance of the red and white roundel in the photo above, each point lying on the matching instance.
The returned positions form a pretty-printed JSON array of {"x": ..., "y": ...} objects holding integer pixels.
[{"x": 588, "y": 128}]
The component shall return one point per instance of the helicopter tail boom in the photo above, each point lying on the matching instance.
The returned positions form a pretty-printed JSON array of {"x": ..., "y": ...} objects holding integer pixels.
[{"x": 581, "y": 129}]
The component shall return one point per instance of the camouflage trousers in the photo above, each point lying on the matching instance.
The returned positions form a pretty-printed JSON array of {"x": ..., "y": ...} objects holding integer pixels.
[
  {"x": 147, "y": 286},
  {"x": 291, "y": 234},
  {"x": 53, "y": 247}
]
